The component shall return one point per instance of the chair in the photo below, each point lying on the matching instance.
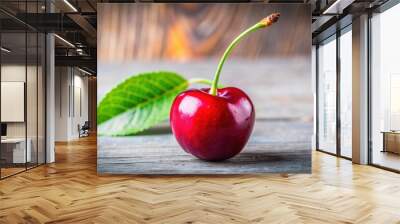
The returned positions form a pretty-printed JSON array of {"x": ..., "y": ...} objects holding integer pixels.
[{"x": 84, "y": 130}]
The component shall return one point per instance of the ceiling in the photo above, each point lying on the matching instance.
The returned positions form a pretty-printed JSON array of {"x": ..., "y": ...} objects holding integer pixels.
[{"x": 76, "y": 22}]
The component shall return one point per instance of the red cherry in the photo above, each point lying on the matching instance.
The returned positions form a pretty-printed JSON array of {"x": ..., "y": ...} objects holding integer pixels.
[
  {"x": 215, "y": 124},
  {"x": 212, "y": 127}
]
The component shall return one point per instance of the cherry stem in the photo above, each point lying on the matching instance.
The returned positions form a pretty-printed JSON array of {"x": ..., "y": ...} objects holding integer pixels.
[{"x": 262, "y": 24}]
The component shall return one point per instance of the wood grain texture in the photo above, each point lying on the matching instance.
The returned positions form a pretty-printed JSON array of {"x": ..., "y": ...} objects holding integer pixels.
[
  {"x": 70, "y": 191},
  {"x": 182, "y": 32},
  {"x": 281, "y": 92},
  {"x": 274, "y": 147}
]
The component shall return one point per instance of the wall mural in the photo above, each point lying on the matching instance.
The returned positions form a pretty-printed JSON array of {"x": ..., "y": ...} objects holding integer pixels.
[{"x": 204, "y": 88}]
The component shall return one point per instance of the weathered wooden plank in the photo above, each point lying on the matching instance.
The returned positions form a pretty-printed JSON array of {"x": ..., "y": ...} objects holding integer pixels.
[
  {"x": 280, "y": 143},
  {"x": 275, "y": 147}
]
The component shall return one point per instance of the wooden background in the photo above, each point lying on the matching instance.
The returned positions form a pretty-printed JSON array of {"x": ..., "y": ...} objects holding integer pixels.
[{"x": 185, "y": 32}]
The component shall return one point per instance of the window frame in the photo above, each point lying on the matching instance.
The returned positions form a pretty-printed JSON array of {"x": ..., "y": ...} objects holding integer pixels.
[
  {"x": 333, "y": 37},
  {"x": 378, "y": 10}
]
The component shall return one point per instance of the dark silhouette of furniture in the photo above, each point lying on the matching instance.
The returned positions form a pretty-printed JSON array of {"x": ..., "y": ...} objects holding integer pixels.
[{"x": 84, "y": 129}]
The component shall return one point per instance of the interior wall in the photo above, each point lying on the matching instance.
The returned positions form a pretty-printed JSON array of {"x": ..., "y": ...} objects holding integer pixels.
[
  {"x": 71, "y": 102},
  {"x": 80, "y": 109},
  {"x": 62, "y": 80},
  {"x": 17, "y": 73}
]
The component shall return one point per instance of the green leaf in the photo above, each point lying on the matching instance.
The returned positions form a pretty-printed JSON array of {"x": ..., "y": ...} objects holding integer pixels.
[{"x": 138, "y": 103}]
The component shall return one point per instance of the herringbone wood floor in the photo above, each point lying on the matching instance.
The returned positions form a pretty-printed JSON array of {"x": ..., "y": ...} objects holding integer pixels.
[{"x": 70, "y": 191}]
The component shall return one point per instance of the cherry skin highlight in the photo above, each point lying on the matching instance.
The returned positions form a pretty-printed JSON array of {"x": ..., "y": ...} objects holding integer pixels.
[{"x": 212, "y": 127}]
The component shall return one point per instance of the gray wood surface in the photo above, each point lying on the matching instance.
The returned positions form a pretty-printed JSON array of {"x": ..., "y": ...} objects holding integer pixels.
[
  {"x": 275, "y": 147},
  {"x": 281, "y": 140}
]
